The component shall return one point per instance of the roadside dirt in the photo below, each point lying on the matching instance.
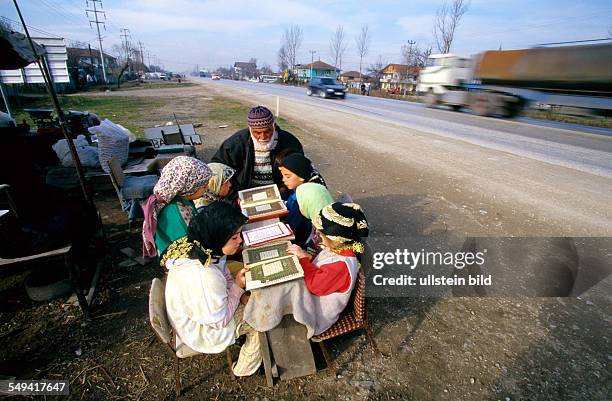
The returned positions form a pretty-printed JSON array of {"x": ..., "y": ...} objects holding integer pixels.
[{"x": 437, "y": 348}]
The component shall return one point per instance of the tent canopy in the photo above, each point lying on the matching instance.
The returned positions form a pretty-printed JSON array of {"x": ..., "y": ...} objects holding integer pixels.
[{"x": 16, "y": 51}]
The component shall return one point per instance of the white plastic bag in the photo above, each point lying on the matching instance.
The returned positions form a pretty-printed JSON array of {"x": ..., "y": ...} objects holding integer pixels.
[
  {"x": 88, "y": 154},
  {"x": 113, "y": 140}
]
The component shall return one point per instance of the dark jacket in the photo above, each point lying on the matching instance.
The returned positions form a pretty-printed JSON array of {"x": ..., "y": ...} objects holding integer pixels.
[{"x": 238, "y": 152}]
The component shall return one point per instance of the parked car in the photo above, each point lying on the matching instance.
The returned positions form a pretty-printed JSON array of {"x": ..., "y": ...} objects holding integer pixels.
[
  {"x": 216, "y": 77},
  {"x": 326, "y": 87}
]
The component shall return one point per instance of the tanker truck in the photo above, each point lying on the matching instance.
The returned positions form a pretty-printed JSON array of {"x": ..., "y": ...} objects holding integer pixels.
[{"x": 502, "y": 83}]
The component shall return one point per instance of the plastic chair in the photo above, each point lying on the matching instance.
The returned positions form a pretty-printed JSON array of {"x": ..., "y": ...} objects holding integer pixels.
[
  {"x": 64, "y": 254},
  {"x": 160, "y": 323}
]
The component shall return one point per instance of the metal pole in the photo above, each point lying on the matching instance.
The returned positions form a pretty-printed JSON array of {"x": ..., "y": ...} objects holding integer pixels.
[
  {"x": 60, "y": 114},
  {"x": 6, "y": 101},
  {"x": 277, "y": 106},
  {"x": 100, "y": 41}
]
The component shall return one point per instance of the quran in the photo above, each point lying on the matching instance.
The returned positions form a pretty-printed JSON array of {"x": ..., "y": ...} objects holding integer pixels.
[
  {"x": 262, "y": 203},
  {"x": 266, "y": 234},
  {"x": 272, "y": 271}
]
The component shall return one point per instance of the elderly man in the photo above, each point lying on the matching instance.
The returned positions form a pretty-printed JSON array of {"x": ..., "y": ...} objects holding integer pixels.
[{"x": 251, "y": 151}]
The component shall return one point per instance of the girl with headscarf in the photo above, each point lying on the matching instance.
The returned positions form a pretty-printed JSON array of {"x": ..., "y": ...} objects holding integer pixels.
[
  {"x": 205, "y": 304},
  {"x": 296, "y": 170},
  {"x": 219, "y": 185},
  {"x": 311, "y": 198},
  {"x": 169, "y": 210},
  {"x": 333, "y": 273}
]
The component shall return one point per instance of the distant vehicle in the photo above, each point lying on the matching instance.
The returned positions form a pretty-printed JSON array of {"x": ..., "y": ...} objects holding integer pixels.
[
  {"x": 269, "y": 78},
  {"x": 326, "y": 87},
  {"x": 216, "y": 77},
  {"x": 204, "y": 74},
  {"x": 253, "y": 80},
  {"x": 501, "y": 83}
]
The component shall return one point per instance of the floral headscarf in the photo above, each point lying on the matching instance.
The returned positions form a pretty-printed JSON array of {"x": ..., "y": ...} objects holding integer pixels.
[
  {"x": 182, "y": 176},
  {"x": 220, "y": 175}
]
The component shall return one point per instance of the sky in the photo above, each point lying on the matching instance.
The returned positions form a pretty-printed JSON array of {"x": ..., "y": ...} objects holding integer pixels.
[{"x": 181, "y": 33}]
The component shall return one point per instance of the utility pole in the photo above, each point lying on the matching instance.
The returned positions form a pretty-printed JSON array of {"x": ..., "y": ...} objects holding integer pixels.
[
  {"x": 410, "y": 54},
  {"x": 141, "y": 53},
  {"x": 95, "y": 12},
  {"x": 148, "y": 59},
  {"x": 312, "y": 53},
  {"x": 125, "y": 33}
]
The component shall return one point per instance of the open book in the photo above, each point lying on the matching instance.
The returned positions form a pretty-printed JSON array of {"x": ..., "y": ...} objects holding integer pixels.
[
  {"x": 262, "y": 203},
  {"x": 270, "y": 264},
  {"x": 267, "y": 234}
]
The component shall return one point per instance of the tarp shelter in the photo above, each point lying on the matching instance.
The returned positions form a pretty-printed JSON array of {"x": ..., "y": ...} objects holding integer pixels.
[
  {"x": 16, "y": 50},
  {"x": 19, "y": 51}
]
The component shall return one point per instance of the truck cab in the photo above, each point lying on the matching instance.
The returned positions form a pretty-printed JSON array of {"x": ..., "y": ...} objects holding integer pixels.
[{"x": 444, "y": 72}]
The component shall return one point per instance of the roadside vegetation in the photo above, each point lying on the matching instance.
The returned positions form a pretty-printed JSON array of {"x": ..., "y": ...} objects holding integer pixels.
[{"x": 120, "y": 110}]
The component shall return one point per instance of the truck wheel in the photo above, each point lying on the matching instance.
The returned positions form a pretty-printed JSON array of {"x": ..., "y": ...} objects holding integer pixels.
[
  {"x": 430, "y": 99},
  {"x": 481, "y": 105},
  {"x": 513, "y": 109},
  {"x": 455, "y": 107}
]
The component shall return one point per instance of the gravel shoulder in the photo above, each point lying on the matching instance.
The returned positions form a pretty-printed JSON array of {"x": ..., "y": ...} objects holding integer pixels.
[{"x": 411, "y": 185}]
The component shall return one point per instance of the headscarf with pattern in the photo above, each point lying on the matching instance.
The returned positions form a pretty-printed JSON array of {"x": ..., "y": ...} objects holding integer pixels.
[
  {"x": 182, "y": 176},
  {"x": 221, "y": 173},
  {"x": 344, "y": 223}
]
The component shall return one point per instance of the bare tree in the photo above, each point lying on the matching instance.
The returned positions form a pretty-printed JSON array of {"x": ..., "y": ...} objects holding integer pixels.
[
  {"x": 362, "y": 41},
  {"x": 266, "y": 69},
  {"x": 337, "y": 48},
  {"x": 447, "y": 20},
  {"x": 281, "y": 58},
  {"x": 376, "y": 71},
  {"x": 292, "y": 40},
  {"x": 414, "y": 55}
]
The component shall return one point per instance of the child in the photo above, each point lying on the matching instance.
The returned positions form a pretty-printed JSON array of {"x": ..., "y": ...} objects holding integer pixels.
[
  {"x": 311, "y": 198},
  {"x": 219, "y": 185},
  {"x": 168, "y": 211},
  {"x": 332, "y": 274},
  {"x": 202, "y": 298},
  {"x": 296, "y": 170}
]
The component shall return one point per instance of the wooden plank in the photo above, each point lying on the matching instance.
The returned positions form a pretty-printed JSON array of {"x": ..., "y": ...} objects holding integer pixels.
[
  {"x": 291, "y": 349},
  {"x": 265, "y": 353}
]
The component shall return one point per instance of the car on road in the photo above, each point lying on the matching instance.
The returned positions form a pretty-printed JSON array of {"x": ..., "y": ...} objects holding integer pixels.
[
  {"x": 216, "y": 77},
  {"x": 326, "y": 87}
]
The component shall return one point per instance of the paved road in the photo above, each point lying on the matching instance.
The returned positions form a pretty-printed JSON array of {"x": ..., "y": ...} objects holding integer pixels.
[{"x": 582, "y": 148}]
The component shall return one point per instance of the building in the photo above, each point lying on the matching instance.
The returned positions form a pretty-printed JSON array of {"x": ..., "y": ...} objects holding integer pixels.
[
  {"x": 351, "y": 77},
  {"x": 318, "y": 68},
  {"x": 399, "y": 78},
  {"x": 90, "y": 57},
  {"x": 85, "y": 68},
  {"x": 244, "y": 70}
]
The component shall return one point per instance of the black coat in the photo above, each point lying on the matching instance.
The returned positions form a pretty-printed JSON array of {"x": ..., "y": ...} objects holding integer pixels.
[{"x": 238, "y": 152}]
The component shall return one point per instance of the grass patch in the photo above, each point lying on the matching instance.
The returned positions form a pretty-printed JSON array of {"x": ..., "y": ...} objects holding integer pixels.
[
  {"x": 151, "y": 85},
  {"x": 593, "y": 121},
  {"x": 234, "y": 114},
  {"x": 120, "y": 110}
]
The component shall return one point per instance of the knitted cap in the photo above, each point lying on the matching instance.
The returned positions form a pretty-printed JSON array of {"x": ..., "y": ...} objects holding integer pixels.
[
  {"x": 260, "y": 117},
  {"x": 299, "y": 165},
  {"x": 343, "y": 222}
]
